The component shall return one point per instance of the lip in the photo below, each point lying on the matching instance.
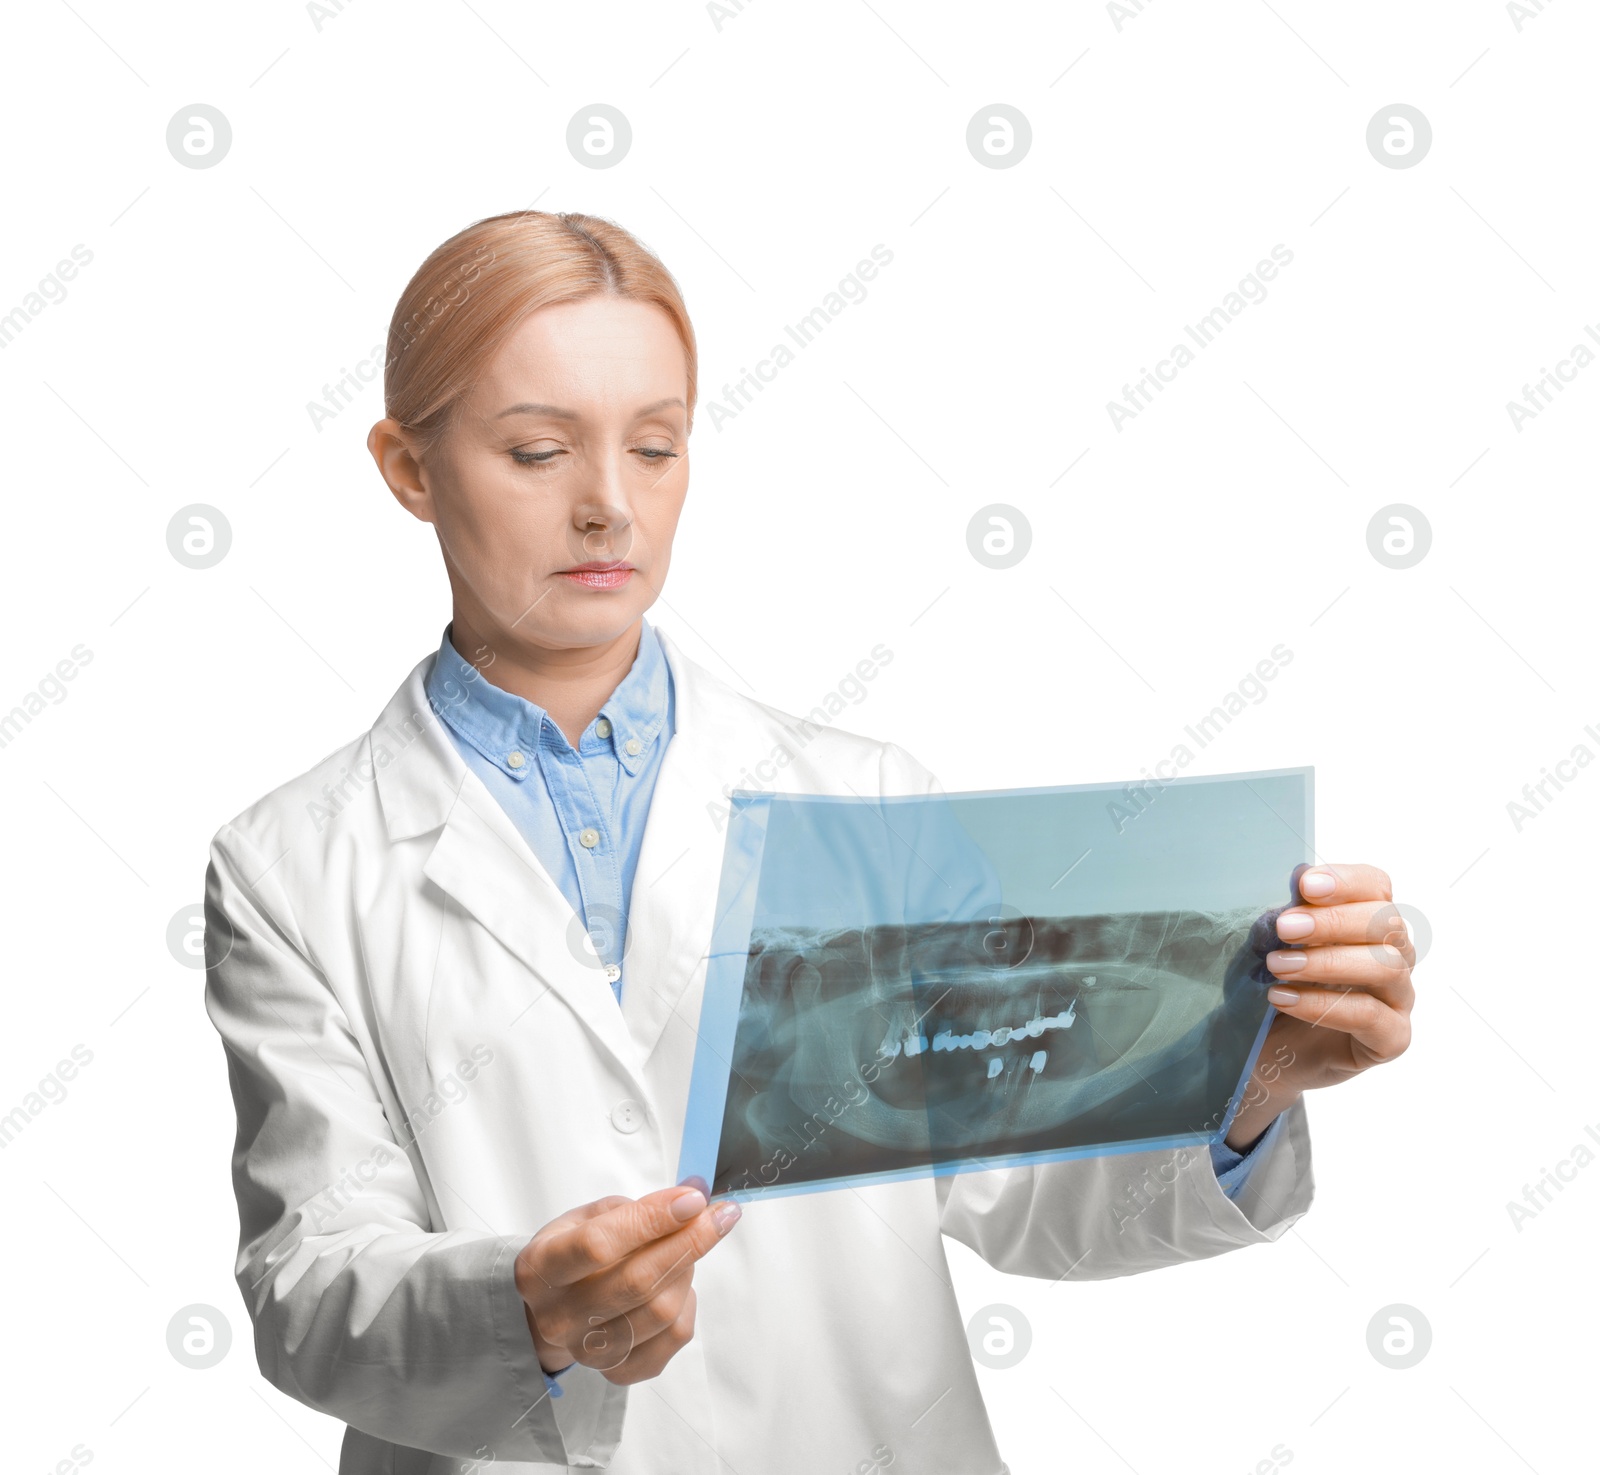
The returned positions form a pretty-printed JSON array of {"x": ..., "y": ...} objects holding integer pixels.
[{"x": 598, "y": 575}]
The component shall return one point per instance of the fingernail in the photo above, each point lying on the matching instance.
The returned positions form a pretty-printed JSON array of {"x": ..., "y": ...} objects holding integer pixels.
[
  {"x": 687, "y": 1205},
  {"x": 725, "y": 1216},
  {"x": 1317, "y": 883},
  {"x": 694, "y": 1180},
  {"x": 1292, "y": 926},
  {"x": 1286, "y": 962},
  {"x": 1283, "y": 996}
]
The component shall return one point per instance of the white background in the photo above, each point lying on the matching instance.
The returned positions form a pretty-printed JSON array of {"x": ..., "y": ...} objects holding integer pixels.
[{"x": 1169, "y": 155}]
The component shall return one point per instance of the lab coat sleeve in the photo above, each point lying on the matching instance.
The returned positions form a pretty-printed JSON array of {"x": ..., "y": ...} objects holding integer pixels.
[
  {"x": 1094, "y": 1218},
  {"x": 360, "y": 1309}
]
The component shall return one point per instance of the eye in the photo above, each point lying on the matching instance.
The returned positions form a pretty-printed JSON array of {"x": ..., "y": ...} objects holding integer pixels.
[
  {"x": 535, "y": 458},
  {"x": 652, "y": 453}
]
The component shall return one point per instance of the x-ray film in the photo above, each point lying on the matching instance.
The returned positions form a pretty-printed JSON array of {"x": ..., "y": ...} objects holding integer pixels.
[{"x": 939, "y": 983}]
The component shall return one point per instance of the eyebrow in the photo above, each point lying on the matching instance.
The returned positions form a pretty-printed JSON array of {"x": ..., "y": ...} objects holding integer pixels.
[{"x": 557, "y": 413}]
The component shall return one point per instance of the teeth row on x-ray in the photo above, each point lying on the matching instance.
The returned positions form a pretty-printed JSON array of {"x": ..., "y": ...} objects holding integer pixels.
[{"x": 979, "y": 1039}]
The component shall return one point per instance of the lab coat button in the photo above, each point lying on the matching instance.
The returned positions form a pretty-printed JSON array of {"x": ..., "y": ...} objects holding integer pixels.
[
  {"x": 613, "y": 973},
  {"x": 633, "y": 747},
  {"x": 627, "y": 1116},
  {"x": 588, "y": 838},
  {"x": 602, "y": 728}
]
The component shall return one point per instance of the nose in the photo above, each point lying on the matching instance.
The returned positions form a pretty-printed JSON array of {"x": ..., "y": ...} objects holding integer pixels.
[{"x": 601, "y": 532}]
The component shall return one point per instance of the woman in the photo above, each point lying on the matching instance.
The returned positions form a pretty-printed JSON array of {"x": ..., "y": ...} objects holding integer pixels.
[{"x": 457, "y": 970}]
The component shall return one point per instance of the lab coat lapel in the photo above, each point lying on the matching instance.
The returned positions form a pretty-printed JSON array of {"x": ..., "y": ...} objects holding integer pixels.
[
  {"x": 671, "y": 908},
  {"x": 481, "y": 860}
]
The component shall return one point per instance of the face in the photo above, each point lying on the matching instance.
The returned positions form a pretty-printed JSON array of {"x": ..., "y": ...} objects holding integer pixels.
[{"x": 556, "y": 491}]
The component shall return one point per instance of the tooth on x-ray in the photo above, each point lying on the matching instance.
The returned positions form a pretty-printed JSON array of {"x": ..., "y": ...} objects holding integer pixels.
[{"x": 914, "y": 986}]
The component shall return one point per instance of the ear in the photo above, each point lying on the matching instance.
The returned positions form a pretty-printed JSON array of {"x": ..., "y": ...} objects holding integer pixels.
[{"x": 392, "y": 448}]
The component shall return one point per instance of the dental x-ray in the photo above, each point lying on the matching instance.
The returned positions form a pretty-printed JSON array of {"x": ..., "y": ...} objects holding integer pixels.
[{"x": 938, "y": 983}]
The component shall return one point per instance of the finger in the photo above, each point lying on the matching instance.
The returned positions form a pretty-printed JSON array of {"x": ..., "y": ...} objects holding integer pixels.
[
  {"x": 1328, "y": 885},
  {"x": 651, "y": 1357},
  {"x": 1372, "y": 922},
  {"x": 1381, "y": 1032},
  {"x": 609, "y": 1340},
  {"x": 1381, "y": 970},
  {"x": 576, "y": 1251},
  {"x": 631, "y": 1283},
  {"x": 530, "y": 1262},
  {"x": 607, "y": 1344},
  {"x": 590, "y": 1211}
]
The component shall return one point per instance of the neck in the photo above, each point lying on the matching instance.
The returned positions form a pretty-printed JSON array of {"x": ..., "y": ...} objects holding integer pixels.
[{"x": 570, "y": 684}]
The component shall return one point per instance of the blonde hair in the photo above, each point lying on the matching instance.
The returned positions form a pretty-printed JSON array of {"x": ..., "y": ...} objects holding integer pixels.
[{"x": 472, "y": 291}]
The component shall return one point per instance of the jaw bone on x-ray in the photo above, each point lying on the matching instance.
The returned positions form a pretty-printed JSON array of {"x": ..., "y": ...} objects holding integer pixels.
[{"x": 932, "y": 984}]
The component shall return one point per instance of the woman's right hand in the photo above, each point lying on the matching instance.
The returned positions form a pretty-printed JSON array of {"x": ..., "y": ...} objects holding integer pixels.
[{"x": 610, "y": 1284}]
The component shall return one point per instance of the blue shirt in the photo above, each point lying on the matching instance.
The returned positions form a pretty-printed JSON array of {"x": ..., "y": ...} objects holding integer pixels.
[
  {"x": 1233, "y": 1168},
  {"x": 582, "y": 810}
]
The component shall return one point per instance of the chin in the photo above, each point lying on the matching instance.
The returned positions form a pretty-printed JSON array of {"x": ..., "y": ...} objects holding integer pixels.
[{"x": 606, "y": 619}]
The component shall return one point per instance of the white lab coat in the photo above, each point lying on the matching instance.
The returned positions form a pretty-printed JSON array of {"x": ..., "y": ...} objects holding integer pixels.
[{"x": 427, "y": 1068}]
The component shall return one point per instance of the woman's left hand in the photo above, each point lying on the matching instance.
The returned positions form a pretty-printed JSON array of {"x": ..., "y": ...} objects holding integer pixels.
[{"x": 1343, "y": 993}]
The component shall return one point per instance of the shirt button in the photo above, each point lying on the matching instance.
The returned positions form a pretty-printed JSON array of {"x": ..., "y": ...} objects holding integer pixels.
[
  {"x": 613, "y": 973},
  {"x": 602, "y": 728},
  {"x": 627, "y": 1116},
  {"x": 514, "y": 759},
  {"x": 633, "y": 747},
  {"x": 588, "y": 838}
]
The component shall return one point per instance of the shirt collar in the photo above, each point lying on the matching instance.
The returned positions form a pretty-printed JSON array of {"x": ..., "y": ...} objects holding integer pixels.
[{"x": 509, "y": 730}]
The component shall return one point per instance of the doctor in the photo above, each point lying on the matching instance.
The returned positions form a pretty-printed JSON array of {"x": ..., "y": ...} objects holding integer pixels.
[{"x": 457, "y": 966}]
